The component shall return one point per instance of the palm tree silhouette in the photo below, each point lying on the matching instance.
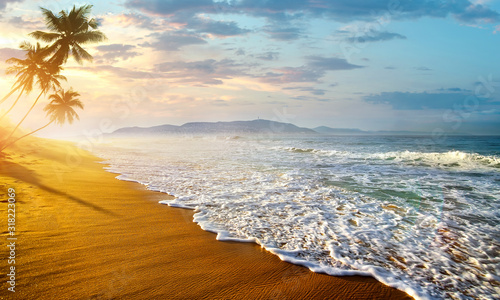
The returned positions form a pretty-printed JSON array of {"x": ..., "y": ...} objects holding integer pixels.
[
  {"x": 69, "y": 31},
  {"x": 60, "y": 109},
  {"x": 47, "y": 78},
  {"x": 34, "y": 66},
  {"x": 30, "y": 55},
  {"x": 17, "y": 85}
]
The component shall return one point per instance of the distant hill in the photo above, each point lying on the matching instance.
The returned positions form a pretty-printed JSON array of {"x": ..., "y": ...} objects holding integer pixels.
[
  {"x": 248, "y": 127},
  {"x": 236, "y": 127}
]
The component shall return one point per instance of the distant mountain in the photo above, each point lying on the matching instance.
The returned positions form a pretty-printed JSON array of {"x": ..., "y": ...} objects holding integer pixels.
[
  {"x": 146, "y": 130},
  {"x": 248, "y": 127},
  {"x": 236, "y": 127}
]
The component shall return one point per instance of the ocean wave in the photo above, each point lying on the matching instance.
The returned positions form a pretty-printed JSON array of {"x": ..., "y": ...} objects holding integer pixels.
[
  {"x": 450, "y": 159},
  {"x": 314, "y": 151}
]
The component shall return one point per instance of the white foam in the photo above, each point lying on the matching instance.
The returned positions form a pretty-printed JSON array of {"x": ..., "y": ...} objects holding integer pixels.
[{"x": 449, "y": 159}]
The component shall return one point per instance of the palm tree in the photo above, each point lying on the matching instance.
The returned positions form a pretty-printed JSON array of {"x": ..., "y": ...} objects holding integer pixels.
[
  {"x": 22, "y": 70},
  {"x": 60, "y": 109},
  {"x": 33, "y": 66},
  {"x": 47, "y": 78},
  {"x": 69, "y": 30},
  {"x": 12, "y": 91}
]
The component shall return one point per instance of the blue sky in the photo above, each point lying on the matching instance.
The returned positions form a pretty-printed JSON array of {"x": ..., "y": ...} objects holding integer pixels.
[{"x": 373, "y": 65}]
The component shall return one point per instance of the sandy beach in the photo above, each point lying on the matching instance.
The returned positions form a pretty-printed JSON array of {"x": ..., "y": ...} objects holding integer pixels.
[{"x": 82, "y": 234}]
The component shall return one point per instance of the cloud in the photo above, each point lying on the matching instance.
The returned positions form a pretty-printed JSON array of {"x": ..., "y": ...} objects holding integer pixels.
[
  {"x": 283, "y": 33},
  {"x": 186, "y": 22},
  {"x": 330, "y": 63},
  {"x": 338, "y": 10},
  {"x": 270, "y": 55},
  {"x": 19, "y": 22},
  {"x": 293, "y": 74},
  {"x": 425, "y": 100},
  {"x": 171, "y": 7},
  {"x": 115, "y": 48},
  {"x": 312, "y": 71},
  {"x": 169, "y": 41},
  {"x": 204, "y": 72},
  {"x": 309, "y": 99},
  {"x": 137, "y": 20},
  {"x": 218, "y": 28},
  {"x": 219, "y": 102},
  {"x": 112, "y": 53},
  {"x": 375, "y": 36},
  {"x": 120, "y": 72},
  {"x": 317, "y": 92},
  {"x": 214, "y": 72},
  {"x": 3, "y": 3},
  {"x": 475, "y": 13}
]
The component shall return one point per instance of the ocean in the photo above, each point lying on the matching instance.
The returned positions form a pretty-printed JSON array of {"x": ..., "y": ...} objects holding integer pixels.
[{"x": 416, "y": 213}]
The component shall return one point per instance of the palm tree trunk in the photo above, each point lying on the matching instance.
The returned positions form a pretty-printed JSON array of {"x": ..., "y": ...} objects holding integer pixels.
[
  {"x": 9, "y": 94},
  {"x": 31, "y": 108},
  {"x": 13, "y": 142},
  {"x": 14, "y": 104}
]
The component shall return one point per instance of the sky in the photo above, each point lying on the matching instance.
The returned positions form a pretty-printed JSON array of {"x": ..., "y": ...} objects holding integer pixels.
[{"x": 428, "y": 65}]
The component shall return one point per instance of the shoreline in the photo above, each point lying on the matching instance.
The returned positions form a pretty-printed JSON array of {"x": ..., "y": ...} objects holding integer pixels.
[{"x": 82, "y": 233}]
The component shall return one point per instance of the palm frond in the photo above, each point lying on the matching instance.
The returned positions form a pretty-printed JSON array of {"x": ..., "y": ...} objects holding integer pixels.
[
  {"x": 55, "y": 98},
  {"x": 51, "y": 21},
  {"x": 47, "y": 37},
  {"x": 76, "y": 56},
  {"x": 60, "y": 56},
  {"x": 17, "y": 61},
  {"x": 73, "y": 93},
  {"x": 68, "y": 31},
  {"x": 26, "y": 46},
  {"x": 77, "y": 103},
  {"x": 93, "y": 36},
  {"x": 93, "y": 23},
  {"x": 26, "y": 70},
  {"x": 61, "y": 107},
  {"x": 79, "y": 52},
  {"x": 65, "y": 21},
  {"x": 78, "y": 17},
  {"x": 61, "y": 77},
  {"x": 83, "y": 11},
  {"x": 27, "y": 83},
  {"x": 53, "y": 48}
]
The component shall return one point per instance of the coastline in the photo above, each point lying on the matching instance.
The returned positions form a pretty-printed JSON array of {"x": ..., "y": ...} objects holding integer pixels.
[{"x": 84, "y": 234}]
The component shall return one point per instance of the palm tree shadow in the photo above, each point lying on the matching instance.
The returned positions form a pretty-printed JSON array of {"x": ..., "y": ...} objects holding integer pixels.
[{"x": 10, "y": 169}]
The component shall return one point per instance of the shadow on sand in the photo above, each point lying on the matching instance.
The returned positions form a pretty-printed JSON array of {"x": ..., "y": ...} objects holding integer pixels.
[{"x": 13, "y": 170}]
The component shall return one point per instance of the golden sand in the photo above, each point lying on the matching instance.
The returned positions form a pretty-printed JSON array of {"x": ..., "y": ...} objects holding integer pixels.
[{"x": 82, "y": 234}]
